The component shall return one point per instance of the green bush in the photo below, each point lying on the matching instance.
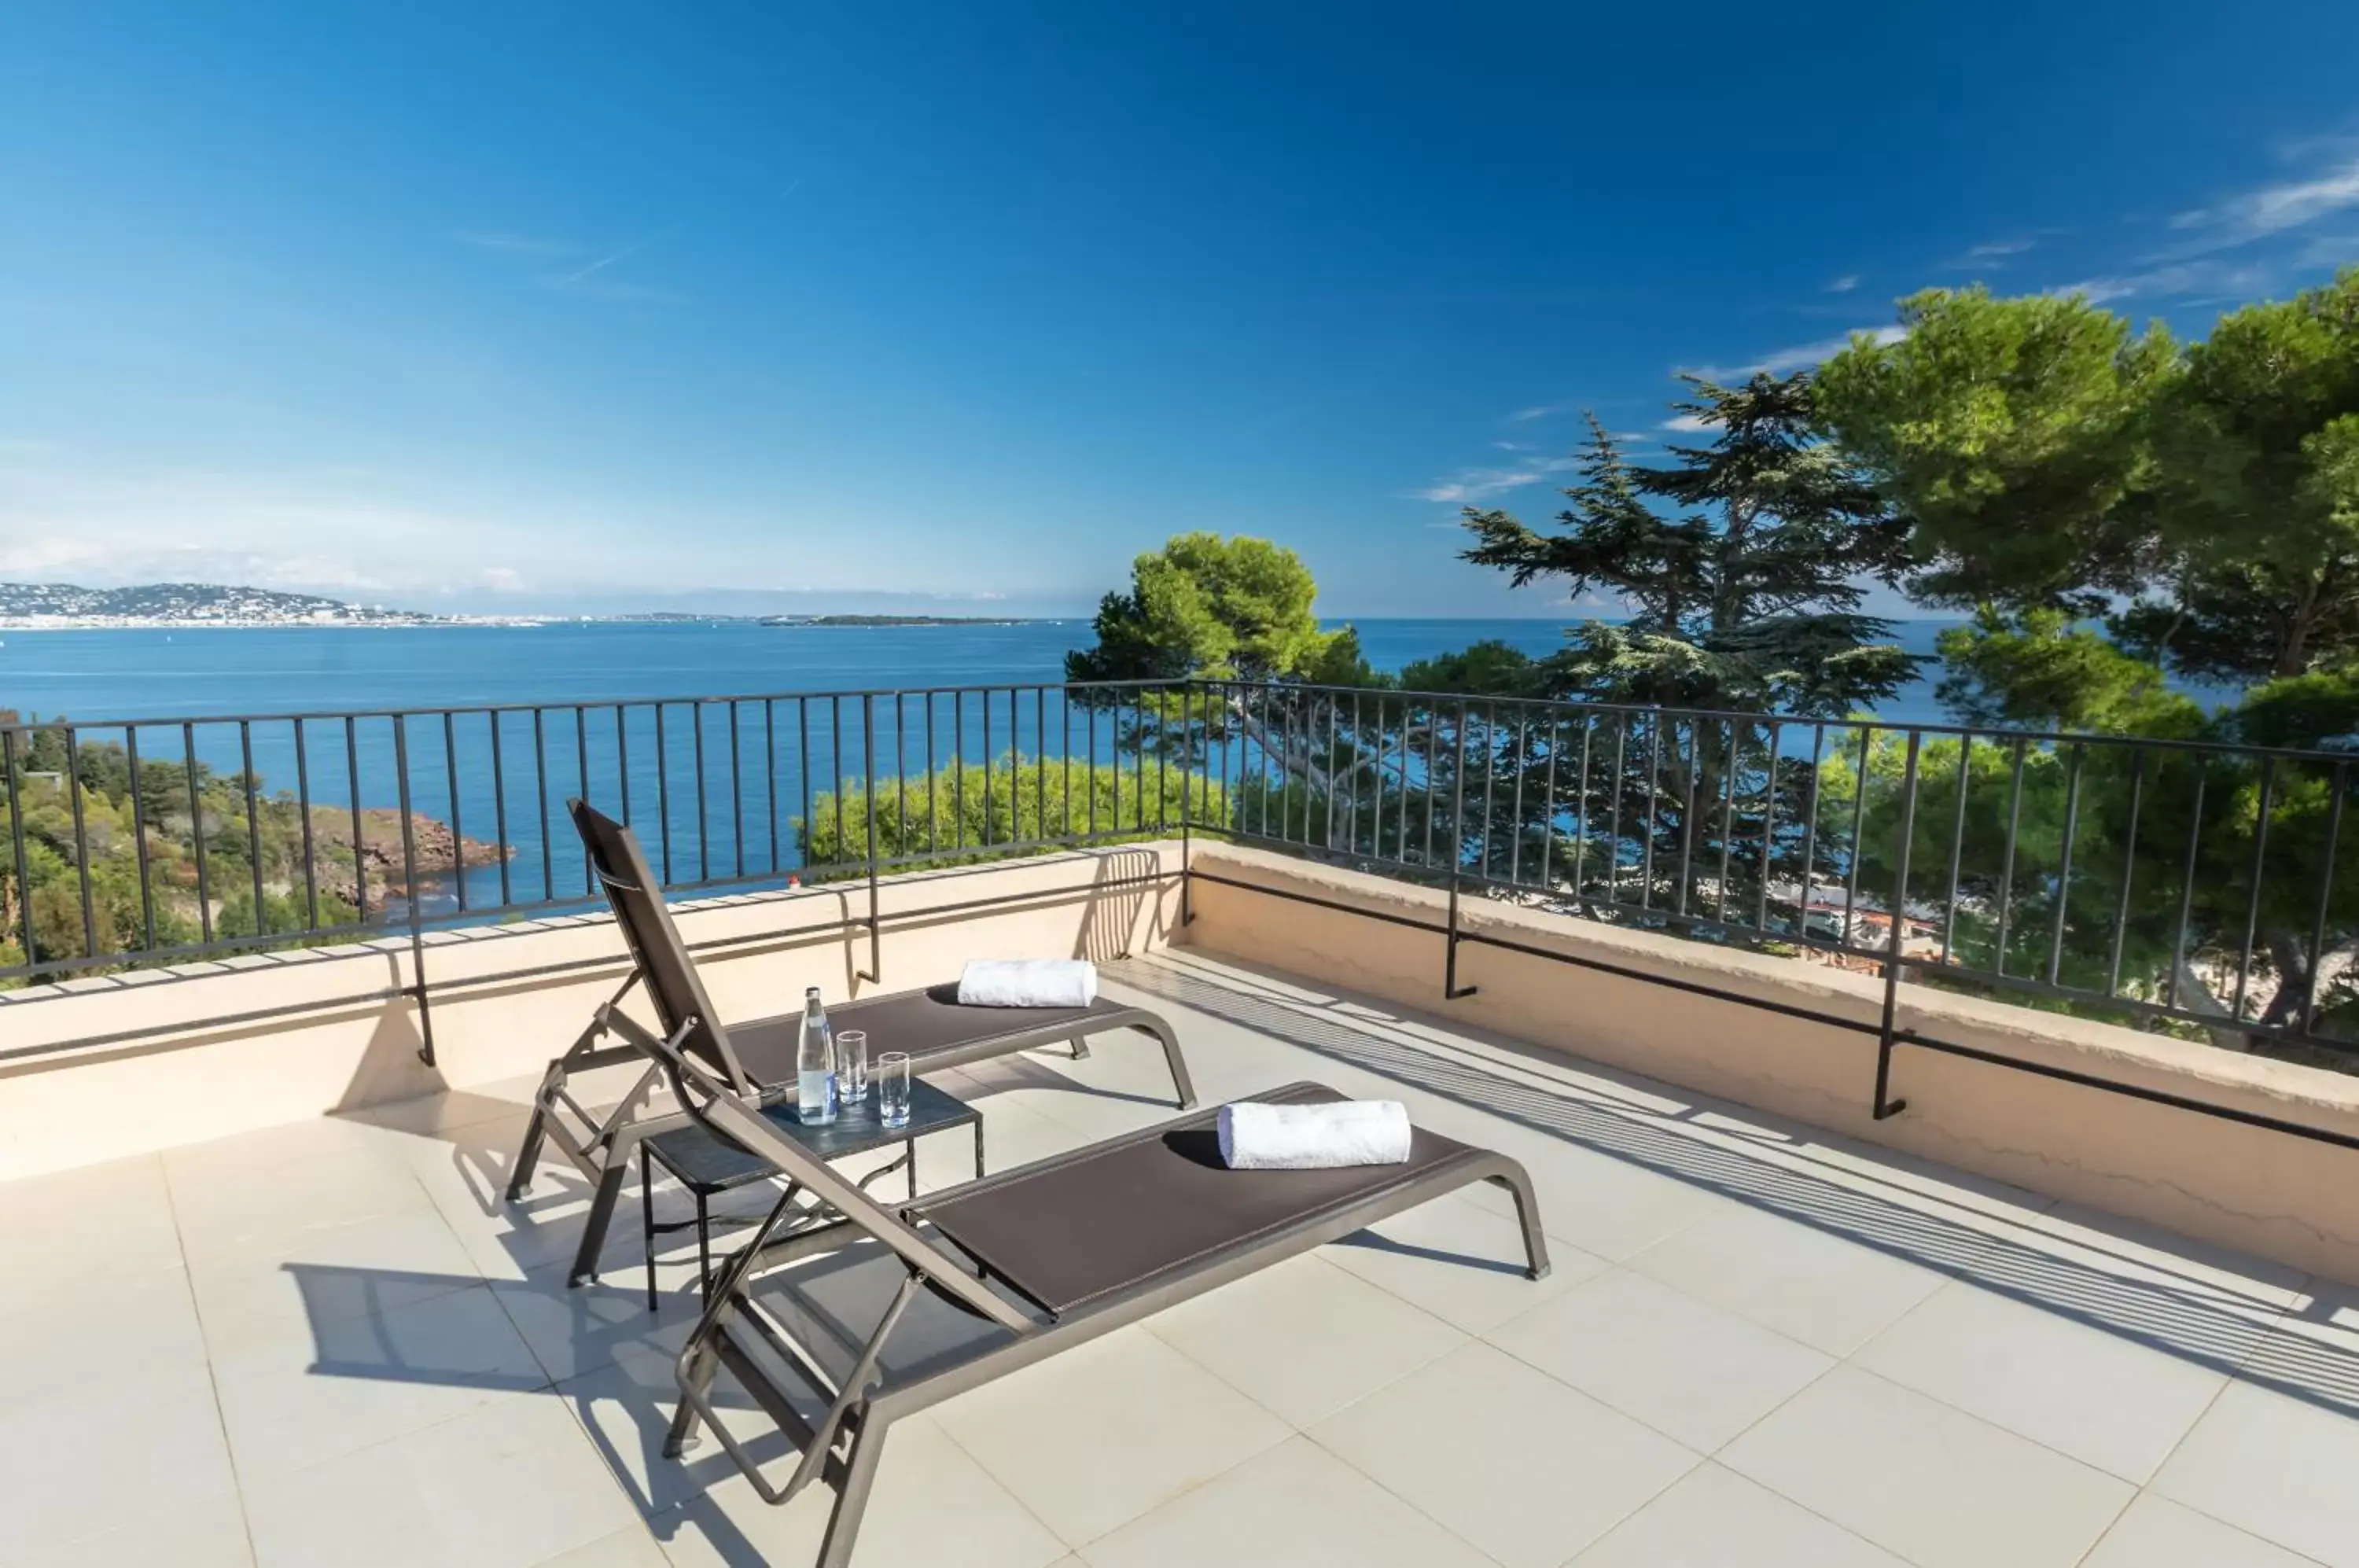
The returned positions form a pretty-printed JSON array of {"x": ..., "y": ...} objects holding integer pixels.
[{"x": 956, "y": 815}]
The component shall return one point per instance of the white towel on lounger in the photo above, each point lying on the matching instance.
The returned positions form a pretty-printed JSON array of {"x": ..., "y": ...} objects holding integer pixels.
[
  {"x": 1256, "y": 1137},
  {"x": 1028, "y": 982}
]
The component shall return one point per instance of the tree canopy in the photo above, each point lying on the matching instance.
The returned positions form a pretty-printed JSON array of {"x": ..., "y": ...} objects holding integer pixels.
[
  {"x": 1227, "y": 609},
  {"x": 1742, "y": 565}
]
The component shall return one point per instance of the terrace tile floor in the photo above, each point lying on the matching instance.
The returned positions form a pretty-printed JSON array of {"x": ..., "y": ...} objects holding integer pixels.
[{"x": 332, "y": 1343}]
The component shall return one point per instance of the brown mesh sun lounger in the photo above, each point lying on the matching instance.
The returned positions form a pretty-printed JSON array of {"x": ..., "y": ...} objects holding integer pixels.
[
  {"x": 867, "y": 1313},
  {"x": 757, "y": 1060}
]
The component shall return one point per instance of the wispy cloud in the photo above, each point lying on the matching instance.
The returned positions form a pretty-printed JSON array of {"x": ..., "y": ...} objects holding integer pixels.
[
  {"x": 1686, "y": 424},
  {"x": 516, "y": 244},
  {"x": 1540, "y": 411},
  {"x": 2269, "y": 211},
  {"x": 604, "y": 262},
  {"x": 1998, "y": 250},
  {"x": 1483, "y": 483},
  {"x": 2208, "y": 279},
  {"x": 1799, "y": 357},
  {"x": 1844, "y": 285}
]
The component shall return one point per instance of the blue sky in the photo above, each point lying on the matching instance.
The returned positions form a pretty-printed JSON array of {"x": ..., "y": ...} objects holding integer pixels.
[{"x": 578, "y": 305}]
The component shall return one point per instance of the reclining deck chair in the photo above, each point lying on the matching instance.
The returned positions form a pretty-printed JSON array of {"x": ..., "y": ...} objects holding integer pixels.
[
  {"x": 841, "y": 1315},
  {"x": 756, "y": 1059}
]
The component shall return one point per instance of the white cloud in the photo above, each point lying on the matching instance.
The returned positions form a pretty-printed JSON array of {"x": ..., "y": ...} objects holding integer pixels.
[
  {"x": 1998, "y": 250},
  {"x": 1799, "y": 357},
  {"x": 1483, "y": 483},
  {"x": 1844, "y": 285},
  {"x": 1688, "y": 424},
  {"x": 2210, "y": 280},
  {"x": 1539, "y": 412},
  {"x": 2270, "y": 210}
]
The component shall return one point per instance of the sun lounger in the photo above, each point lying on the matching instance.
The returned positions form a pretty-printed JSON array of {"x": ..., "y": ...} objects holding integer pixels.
[
  {"x": 867, "y": 1313},
  {"x": 755, "y": 1059}
]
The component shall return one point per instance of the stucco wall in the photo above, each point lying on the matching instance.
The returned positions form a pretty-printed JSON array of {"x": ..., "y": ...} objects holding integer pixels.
[
  {"x": 2258, "y": 1190},
  {"x": 67, "y": 1101}
]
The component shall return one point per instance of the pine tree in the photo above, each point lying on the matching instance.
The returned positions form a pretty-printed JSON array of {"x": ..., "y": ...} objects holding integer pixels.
[{"x": 1748, "y": 597}]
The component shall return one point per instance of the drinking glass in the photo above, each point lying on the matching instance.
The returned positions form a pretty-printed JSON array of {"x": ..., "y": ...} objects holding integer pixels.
[
  {"x": 852, "y": 1069},
  {"x": 893, "y": 1088}
]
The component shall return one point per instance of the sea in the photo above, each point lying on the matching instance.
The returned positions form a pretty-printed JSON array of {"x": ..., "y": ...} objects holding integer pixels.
[
  {"x": 111, "y": 676},
  {"x": 714, "y": 788}
]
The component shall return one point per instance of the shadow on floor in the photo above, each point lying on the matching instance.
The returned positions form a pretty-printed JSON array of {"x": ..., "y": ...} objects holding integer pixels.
[{"x": 2234, "y": 1326}]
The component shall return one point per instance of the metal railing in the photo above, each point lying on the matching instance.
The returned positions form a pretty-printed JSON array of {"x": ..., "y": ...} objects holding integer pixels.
[
  {"x": 2175, "y": 883},
  {"x": 2179, "y": 885}
]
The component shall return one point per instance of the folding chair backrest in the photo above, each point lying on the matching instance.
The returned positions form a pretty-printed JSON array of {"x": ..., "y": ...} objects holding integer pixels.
[
  {"x": 665, "y": 967},
  {"x": 732, "y": 1108}
]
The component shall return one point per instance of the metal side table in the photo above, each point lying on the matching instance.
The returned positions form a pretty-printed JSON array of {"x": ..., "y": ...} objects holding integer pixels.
[{"x": 706, "y": 1166}]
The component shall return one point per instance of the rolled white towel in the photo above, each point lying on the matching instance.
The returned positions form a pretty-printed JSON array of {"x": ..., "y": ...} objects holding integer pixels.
[
  {"x": 1028, "y": 982},
  {"x": 1256, "y": 1137}
]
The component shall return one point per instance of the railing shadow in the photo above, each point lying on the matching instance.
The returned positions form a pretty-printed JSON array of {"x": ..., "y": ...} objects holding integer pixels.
[{"x": 2265, "y": 1323}]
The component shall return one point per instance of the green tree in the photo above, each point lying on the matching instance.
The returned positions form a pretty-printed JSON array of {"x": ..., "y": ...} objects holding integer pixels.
[
  {"x": 1744, "y": 566},
  {"x": 2257, "y": 489},
  {"x": 1749, "y": 594},
  {"x": 1237, "y": 612},
  {"x": 2014, "y": 435}
]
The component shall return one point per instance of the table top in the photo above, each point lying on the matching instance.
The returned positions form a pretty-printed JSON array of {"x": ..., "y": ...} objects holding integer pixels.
[{"x": 704, "y": 1161}]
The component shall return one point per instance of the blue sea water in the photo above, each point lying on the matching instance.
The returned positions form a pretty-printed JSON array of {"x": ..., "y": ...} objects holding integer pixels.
[
  {"x": 94, "y": 676},
  {"x": 716, "y": 788}
]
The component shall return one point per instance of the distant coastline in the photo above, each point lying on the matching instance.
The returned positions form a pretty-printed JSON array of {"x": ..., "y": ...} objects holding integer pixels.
[{"x": 905, "y": 621}]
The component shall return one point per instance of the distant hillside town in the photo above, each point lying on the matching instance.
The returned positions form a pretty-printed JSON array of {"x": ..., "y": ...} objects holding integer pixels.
[{"x": 27, "y": 606}]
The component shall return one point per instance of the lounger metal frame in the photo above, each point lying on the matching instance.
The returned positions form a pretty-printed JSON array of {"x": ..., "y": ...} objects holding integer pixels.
[
  {"x": 601, "y": 1147},
  {"x": 845, "y": 1445}
]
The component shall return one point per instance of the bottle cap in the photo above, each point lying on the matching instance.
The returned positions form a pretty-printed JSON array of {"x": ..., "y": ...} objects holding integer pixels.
[{"x": 811, "y": 990}]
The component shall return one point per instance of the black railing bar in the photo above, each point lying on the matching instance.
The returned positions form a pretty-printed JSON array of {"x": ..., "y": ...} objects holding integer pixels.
[
  {"x": 2253, "y": 877},
  {"x": 196, "y": 837},
  {"x": 736, "y": 789},
  {"x": 582, "y": 770},
  {"x": 1986, "y": 732},
  {"x": 360, "y": 856},
  {"x": 1834, "y": 1020},
  {"x": 499, "y": 815},
  {"x": 82, "y": 845},
  {"x": 1769, "y": 826},
  {"x": 1857, "y": 851},
  {"x": 2129, "y": 868},
  {"x": 2326, "y": 893},
  {"x": 166, "y": 721},
  {"x": 2007, "y": 869},
  {"x": 2187, "y": 886},
  {"x": 1957, "y": 846},
  {"x": 139, "y": 834},
  {"x": 703, "y": 812},
  {"x": 9, "y": 741},
  {"x": 2064, "y": 866},
  {"x": 253, "y": 821},
  {"x": 663, "y": 793},
  {"x": 302, "y": 805},
  {"x": 611, "y": 962},
  {"x": 540, "y": 799}
]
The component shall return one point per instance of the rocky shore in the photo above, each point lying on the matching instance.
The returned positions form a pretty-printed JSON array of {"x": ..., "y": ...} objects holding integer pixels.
[{"x": 439, "y": 852}]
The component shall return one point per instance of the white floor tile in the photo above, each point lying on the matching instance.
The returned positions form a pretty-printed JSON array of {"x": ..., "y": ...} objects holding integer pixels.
[
  {"x": 2155, "y": 1532},
  {"x": 361, "y": 1382},
  {"x": 2274, "y": 1466},
  {"x": 1932, "y": 1484},
  {"x": 1504, "y": 1455},
  {"x": 1295, "y": 1504},
  {"x": 1688, "y": 1370},
  {"x": 1713, "y": 1518},
  {"x": 1828, "y": 1292},
  {"x": 1092, "y": 1438},
  {"x": 1306, "y": 1338},
  {"x": 507, "y": 1485},
  {"x": 77, "y": 1462},
  {"x": 2105, "y": 1400},
  {"x": 1459, "y": 1261},
  {"x": 208, "y": 1533},
  {"x": 932, "y": 1506}
]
